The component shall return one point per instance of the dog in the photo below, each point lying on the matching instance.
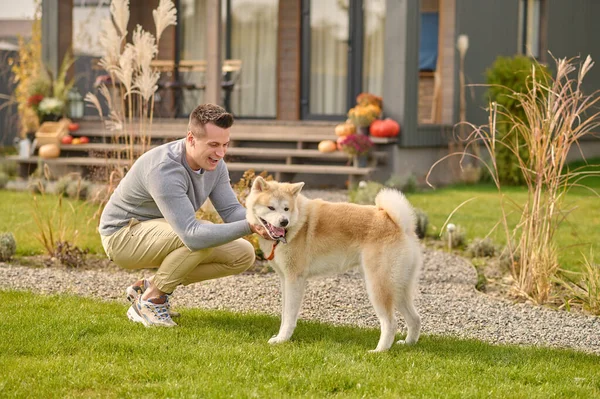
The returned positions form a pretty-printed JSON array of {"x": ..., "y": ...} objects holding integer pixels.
[{"x": 314, "y": 237}]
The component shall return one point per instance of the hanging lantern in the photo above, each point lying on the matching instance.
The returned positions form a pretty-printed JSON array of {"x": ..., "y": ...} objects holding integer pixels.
[{"x": 75, "y": 104}]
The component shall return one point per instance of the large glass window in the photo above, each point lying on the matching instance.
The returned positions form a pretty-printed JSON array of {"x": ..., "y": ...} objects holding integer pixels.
[
  {"x": 249, "y": 35},
  {"x": 253, "y": 40},
  {"x": 329, "y": 22},
  {"x": 374, "y": 21}
]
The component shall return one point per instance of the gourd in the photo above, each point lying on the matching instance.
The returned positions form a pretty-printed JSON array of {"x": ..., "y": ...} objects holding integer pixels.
[
  {"x": 345, "y": 129},
  {"x": 384, "y": 128},
  {"x": 327, "y": 146},
  {"x": 49, "y": 151}
]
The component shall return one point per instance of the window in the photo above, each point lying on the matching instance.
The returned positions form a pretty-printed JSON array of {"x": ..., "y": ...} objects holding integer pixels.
[{"x": 531, "y": 13}]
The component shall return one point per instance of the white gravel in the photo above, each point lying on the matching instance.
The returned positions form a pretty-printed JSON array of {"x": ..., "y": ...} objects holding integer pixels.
[{"x": 447, "y": 300}]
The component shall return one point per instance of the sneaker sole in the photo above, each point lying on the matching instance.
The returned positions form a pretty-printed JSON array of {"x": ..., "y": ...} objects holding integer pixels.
[{"x": 134, "y": 316}]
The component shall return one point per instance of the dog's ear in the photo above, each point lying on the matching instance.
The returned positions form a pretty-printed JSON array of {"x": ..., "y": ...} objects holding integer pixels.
[
  {"x": 295, "y": 188},
  {"x": 260, "y": 184}
]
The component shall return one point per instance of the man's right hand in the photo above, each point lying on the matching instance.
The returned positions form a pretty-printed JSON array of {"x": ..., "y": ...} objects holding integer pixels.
[{"x": 261, "y": 231}]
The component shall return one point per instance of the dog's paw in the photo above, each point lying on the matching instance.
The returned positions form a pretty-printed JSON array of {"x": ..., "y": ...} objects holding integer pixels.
[
  {"x": 275, "y": 339},
  {"x": 405, "y": 342}
]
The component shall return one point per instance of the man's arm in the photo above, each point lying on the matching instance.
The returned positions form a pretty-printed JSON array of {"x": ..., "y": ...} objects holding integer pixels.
[
  {"x": 224, "y": 199},
  {"x": 169, "y": 192}
]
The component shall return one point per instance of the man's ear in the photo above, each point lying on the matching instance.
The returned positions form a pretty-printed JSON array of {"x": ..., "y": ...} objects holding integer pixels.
[
  {"x": 260, "y": 184},
  {"x": 295, "y": 188}
]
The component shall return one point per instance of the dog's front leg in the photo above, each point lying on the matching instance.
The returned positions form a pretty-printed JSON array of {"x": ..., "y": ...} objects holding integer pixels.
[{"x": 292, "y": 289}]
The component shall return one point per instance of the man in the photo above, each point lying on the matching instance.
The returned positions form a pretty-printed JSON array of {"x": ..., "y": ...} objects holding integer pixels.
[{"x": 150, "y": 220}]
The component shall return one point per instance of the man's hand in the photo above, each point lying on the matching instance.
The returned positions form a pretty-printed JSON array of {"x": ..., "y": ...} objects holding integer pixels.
[{"x": 261, "y": 231}]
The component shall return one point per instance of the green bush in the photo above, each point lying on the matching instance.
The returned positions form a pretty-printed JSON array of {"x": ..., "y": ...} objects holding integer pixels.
[
  {"x": 422, "y": 222},
  {"x": 79, "y": 189},
  {"x": 3, "y": 179},
  {"x": 481, "y": 248},
  {"x": 507, "y": 77},
  {"x": 8, "y": 246},
  {"x": 365, "y": 192},
  {"x": 406, "y": 184}
]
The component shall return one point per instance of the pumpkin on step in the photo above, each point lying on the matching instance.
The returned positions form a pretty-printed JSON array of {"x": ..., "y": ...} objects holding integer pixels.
[
  {"x": 327, "y": 146},
  {"x": 384, "y": 128},
  {"x": 345, "y": 129},
  {"x": 48, "y": 151}
]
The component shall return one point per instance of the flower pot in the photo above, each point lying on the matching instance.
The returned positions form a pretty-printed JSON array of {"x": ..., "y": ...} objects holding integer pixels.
[{"x": 363, "y": 130}]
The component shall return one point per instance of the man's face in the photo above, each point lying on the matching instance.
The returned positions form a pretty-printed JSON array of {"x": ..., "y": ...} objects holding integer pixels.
[{"x": 206, "y": 152}]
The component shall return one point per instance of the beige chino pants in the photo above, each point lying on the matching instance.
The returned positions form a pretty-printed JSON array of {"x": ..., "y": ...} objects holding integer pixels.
[{"x": 153, "y": 243}]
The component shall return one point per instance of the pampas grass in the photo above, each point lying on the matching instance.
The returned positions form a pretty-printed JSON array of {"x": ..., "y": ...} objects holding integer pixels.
[
  {"x": 130, "y": 98},
  {"x": 164, "y": 15},
  {"x": 557, "y": 115},
  {"x": 119, "y": 9}
]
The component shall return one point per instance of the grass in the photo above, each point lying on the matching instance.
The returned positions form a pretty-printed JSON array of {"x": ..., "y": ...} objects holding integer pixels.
[
  {"x": 16, "y": 210},
  {"x": 576, "y": 235},
  {"x": 65, "y": 346}
]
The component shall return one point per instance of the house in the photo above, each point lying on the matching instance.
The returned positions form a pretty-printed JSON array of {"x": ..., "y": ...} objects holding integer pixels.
[{"x": 306, "y": 60}]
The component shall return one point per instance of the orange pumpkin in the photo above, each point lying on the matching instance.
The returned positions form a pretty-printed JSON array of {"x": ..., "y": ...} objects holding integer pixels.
[
  {"x": 345, "y": 129},
  {"x": 327, "y": 146},
  {"x": 384, "y": 128}
]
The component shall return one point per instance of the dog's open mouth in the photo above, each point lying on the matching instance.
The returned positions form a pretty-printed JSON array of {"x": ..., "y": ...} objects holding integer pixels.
[{"x": 276, "y": 233}]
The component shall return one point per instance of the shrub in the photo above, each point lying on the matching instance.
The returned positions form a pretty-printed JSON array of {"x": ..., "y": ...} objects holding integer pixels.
[
  {"x": 79, "y": 189},
  {"x": 481, "y": 248},
  {"x": 61, "y": 185},
  {"x": 422, "y": 222},
  {"x": 457, "y": 238},
  {"x": 365, "y": 192},
  {"x": 8, "y": 246},
  {"x": 584, "y": 287},
  {"x": 406, "y": 184},
  {"x": 507, "y": 77},
  {"x": 3, "y": 180},
  {"x": 69, "y": 255}
]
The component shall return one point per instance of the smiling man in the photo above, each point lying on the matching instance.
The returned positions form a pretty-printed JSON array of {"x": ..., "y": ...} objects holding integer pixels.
[{"x": 150, "y": 219}]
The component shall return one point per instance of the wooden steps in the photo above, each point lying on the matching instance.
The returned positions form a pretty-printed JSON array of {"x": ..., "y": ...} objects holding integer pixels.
[{"x": 283, "y": 149}]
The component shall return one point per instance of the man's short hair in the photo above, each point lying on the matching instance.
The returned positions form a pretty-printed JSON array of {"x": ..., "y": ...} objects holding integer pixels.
[{"x": 209, "y": 113}]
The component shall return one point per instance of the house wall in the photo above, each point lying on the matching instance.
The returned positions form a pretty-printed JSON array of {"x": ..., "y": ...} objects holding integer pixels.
[
  {"x": 492, "y": 27},
  {"x": 574, "y": 30},
  {"x": 288, "y": 60}
]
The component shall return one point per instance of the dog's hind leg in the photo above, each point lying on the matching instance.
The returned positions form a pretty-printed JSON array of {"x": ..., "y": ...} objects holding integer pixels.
[
  {"x": 292, "y": 289},
  {"x": 405, "y": 299},
  {"x": 413, "y": 320},
  {"x": 381, "y": 293}
]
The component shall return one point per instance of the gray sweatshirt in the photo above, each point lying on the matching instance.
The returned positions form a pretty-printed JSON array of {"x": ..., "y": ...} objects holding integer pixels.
[{"x": 161, "y": 184}]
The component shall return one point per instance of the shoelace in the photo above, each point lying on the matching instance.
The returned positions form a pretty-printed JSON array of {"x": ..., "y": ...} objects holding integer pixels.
[{"x": 161, "y": 310}]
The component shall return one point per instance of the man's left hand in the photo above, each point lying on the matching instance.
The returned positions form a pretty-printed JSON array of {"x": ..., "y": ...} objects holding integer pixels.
[{"x": 261, "y": 231}]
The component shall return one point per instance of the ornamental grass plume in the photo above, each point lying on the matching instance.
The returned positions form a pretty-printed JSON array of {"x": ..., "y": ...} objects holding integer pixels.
[
  {"x": 164, "y": 15},
  {"x": 557, "y": 114}
]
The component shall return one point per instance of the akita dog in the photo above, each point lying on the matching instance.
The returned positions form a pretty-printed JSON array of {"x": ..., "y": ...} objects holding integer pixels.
[{"x": 315, "y": 237}]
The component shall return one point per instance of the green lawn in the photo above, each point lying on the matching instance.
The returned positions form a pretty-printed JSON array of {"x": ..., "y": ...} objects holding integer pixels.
[
  {"x": 17, "y": 216},
  {"x": 64, "y": 346},
  {"x": 576, "y": 235}
]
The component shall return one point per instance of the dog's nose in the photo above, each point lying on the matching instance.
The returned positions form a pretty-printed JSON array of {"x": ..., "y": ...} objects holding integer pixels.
[{"x": 284, "y": 222}]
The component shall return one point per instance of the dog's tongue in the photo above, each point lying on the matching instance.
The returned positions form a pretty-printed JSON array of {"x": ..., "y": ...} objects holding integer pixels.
[{"x": 277, "y": 232}]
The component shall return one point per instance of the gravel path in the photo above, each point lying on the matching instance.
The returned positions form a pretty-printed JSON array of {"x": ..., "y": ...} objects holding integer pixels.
[{"x": 447, "y": 301}]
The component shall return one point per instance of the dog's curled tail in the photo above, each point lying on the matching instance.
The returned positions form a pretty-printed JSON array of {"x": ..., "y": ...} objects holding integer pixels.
[{"x": 397, "y": 206}]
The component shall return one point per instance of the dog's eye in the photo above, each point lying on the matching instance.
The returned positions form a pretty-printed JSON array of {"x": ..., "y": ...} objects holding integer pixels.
[
  {"x": 286, "y": 209},
  {"x": 272, "y": 208}
]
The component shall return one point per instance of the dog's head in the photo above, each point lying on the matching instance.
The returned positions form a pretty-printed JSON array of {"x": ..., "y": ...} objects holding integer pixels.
[{"x": 273, "y": 205}]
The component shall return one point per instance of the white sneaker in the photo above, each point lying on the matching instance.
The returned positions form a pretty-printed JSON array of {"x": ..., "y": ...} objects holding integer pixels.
[
  {"x": 135, "y": 291},
  {"x": 150, "y": 313}
]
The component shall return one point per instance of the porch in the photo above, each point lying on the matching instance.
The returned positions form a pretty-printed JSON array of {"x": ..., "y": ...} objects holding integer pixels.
[{"x": 288, "y": 151}]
